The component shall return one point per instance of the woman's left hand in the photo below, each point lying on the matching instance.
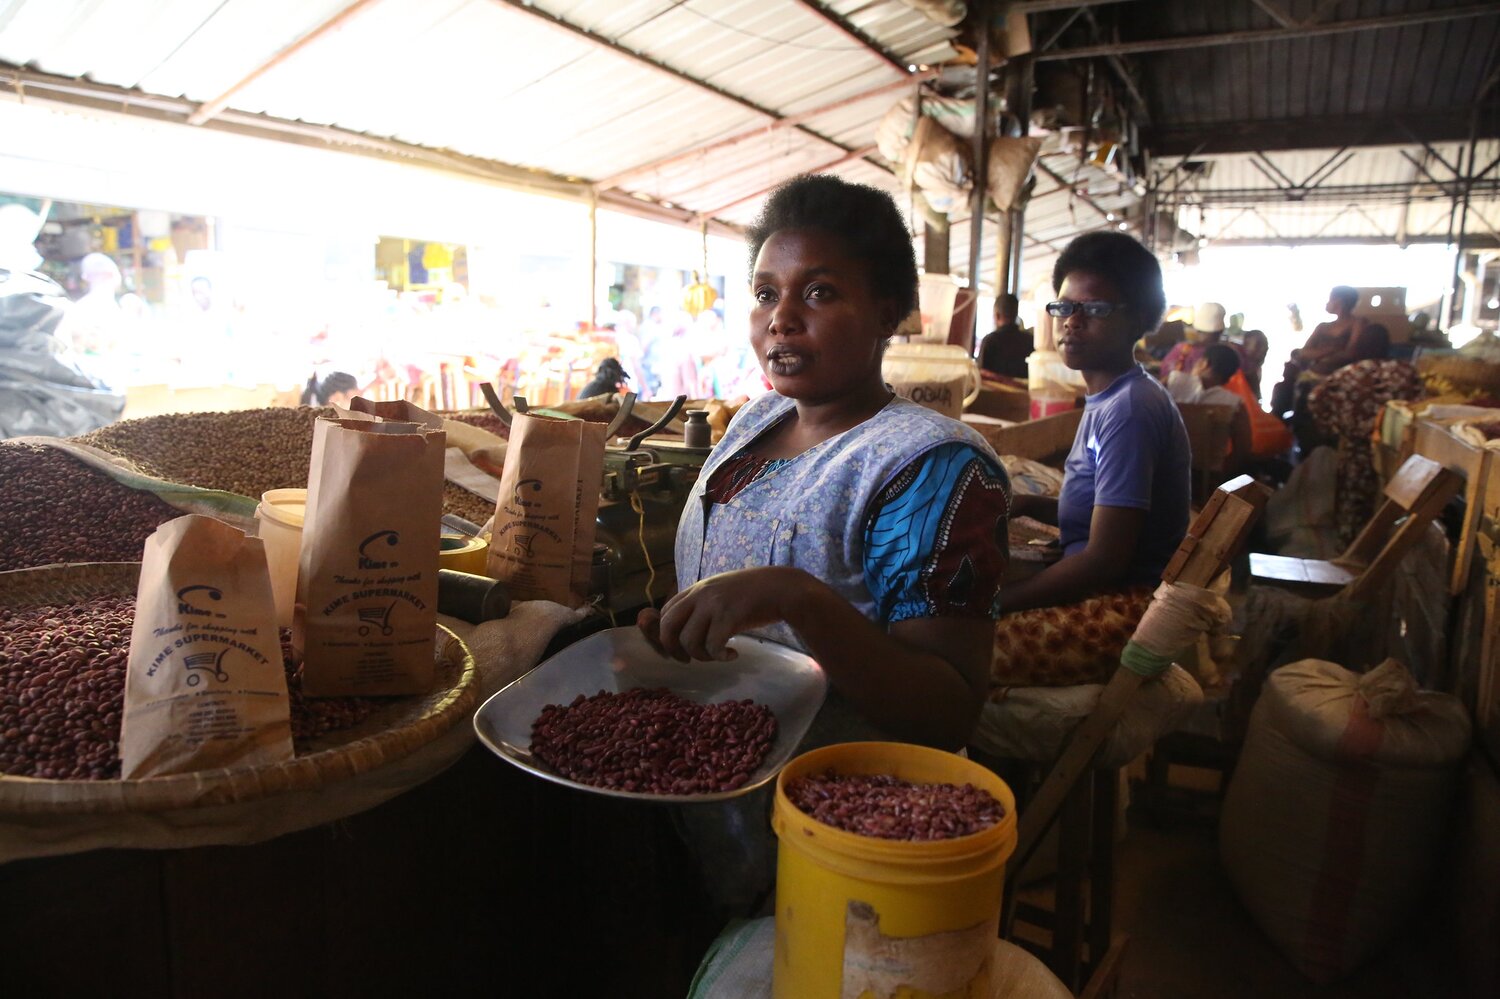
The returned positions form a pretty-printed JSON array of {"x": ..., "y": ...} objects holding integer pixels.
[{"x": 699, "y": 622}]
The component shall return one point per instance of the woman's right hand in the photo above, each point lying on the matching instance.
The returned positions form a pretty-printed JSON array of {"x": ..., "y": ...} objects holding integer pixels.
[{"x": 698, "y": 622}]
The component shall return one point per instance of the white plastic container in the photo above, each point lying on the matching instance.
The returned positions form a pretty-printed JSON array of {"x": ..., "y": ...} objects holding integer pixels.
[
  {"x": 940, "y": 376},
  {"x": 279, "y": 518}
]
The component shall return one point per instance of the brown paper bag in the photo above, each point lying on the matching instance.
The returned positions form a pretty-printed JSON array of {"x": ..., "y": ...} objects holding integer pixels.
[
  {"x": 205, "y": 686},
  {"x": 366, "y": 609},
  {"x": 542, "y": 544}
]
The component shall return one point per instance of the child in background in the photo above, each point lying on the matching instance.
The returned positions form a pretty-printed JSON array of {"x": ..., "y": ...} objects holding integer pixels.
[{"x": 1218, "y": 365}]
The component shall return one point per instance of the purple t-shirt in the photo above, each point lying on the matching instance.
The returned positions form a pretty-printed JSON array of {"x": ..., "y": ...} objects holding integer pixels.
[{"x": 1131, "y": 451}]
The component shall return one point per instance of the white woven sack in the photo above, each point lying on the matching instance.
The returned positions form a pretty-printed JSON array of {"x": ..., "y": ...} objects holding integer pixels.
[{"x": 1334, "y": 819}]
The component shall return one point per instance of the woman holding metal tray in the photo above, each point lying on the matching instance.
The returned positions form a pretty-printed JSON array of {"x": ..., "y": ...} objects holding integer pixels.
[{"x": 835, "y": 517}]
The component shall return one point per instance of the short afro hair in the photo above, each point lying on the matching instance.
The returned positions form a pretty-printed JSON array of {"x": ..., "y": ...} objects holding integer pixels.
[
  {"x": 864, "y": 219},
  {"x": 1343, "y": 293},
  {"x": 1127, "y": 265},
  {"x": 1223, "y": 360}
]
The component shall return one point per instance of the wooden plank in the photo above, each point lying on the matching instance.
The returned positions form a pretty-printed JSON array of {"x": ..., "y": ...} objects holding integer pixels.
[
  {"x": 1412, "y": 480},
  {"x": 1435, "y": 441},
  {"x": 1487, "y": 706},
  {"x": 1302, "y": 571},
  {"x": 1034, "y": 439}
]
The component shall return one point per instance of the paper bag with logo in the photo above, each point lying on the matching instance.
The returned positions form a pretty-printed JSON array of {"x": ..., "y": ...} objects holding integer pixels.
[
  {"x": 205, "y": 686},
  {"x": 366, "y": 607},
  {"x": 542, "y": 543}
]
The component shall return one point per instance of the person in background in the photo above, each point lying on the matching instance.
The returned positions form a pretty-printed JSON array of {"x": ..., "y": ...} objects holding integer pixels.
[
  {"x": 1345, "y": 405},
  {"x": 1218, "y": 366},
  {"x": 1004, "y": 350},
  {"x": 1253, "y": 350},
  {"x": 1123, "y": 507},
  {"x": 95, "y": 324},
  {"x": 1159, "y": 342},
  {"x": 1328, "y": 348},
  {"x": 338, "y": 389},
  {"x": 1208, "y": 329}
]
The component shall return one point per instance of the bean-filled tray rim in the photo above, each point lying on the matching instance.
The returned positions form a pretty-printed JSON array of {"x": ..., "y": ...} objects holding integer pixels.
[
  {"x": 785, "y": 680},
  {"x": 398, "y": 728}
]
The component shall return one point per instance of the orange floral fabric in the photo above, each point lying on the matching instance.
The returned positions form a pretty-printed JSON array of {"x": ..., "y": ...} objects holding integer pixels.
[{"x": 1063, "y": 646}]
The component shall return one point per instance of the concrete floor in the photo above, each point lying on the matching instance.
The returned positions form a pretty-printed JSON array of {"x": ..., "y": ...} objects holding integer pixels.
[{"x": 1191, "y": 939}]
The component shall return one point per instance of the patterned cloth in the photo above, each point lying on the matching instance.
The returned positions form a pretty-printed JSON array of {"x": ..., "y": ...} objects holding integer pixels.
[
  {"x": 1063, "y": 646},
  {"x": 1345, "y": 405},
  {"x": 929, "y": 548}
]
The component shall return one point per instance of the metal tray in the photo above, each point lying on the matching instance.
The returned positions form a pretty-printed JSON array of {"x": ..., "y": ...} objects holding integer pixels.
[{"x": 788, "y": 682}]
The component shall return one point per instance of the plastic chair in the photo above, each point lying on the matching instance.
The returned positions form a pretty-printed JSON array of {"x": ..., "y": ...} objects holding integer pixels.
[{"x": 1415, "y": 495}]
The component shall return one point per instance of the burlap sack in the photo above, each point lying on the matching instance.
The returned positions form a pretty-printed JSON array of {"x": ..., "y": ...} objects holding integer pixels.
[
  {"x": 542, "y": 542},
  {"x": 204, "y": 683},
  {"x": 367, "y": 581}
]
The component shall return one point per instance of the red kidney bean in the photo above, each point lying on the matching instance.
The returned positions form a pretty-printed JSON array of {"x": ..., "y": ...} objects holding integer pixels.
[
  {"x": 654, "y": 742},
  {"x": 62, "y": 691},
  {"x": 55, "y": 508},
  {"x": 886, "y": 807}
]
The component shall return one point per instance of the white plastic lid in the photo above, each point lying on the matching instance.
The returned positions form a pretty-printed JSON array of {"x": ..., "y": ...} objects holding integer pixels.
[{"x": 287, "y": 507}]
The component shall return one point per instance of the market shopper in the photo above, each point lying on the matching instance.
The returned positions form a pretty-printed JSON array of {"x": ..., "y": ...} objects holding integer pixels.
[
  {"x": 1123, "y": 507},
  {"x": 1004, "y": 350}
]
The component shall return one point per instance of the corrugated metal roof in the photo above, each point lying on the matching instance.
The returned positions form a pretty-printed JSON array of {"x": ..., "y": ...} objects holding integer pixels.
[
  {"x": 1391, "y": 192},
  {"x": 1381, "y": 74}
]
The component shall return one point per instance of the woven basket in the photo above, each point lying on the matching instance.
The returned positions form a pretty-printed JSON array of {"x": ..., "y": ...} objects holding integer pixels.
[
  {"x": 397, "y": 727},
  {"x": 1455, "y": 371}
]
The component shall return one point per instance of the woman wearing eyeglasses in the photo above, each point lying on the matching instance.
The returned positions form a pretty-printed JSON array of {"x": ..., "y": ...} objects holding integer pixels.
[{"x": 1123, "y": 508}]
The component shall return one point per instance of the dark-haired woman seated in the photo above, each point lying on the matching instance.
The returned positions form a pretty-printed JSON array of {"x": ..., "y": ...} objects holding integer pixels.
[
  {"x": 1123, "y": 508},
  {"x": 834, "y": 516}
]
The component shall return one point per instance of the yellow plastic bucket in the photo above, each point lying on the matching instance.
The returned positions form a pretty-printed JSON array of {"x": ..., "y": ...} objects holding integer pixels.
[{"x": 858, "y": 916}]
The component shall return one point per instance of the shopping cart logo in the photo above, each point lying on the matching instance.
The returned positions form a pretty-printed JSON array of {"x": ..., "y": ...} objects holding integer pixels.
[
  {"x": 367, "y": 561},
  {"x": 188, "y": 594},
  {"x": 199, "y": 663},
  {"x": 371, "y": 618},
  {"x": 523, "y": 544}
]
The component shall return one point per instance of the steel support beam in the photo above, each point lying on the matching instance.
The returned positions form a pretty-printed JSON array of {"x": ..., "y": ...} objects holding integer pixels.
[
  {"x": 1400, "y": 128},
  {"x": 49, "y": 89},
  {"x": 208, "y": 109},
  {"x": 1269, "y": 34},
  {"x": 1067, "y": 185},
  {"x": 984, "y": 21},
  {"x": 568, "y": 27},
  {"x": 761, "y": 131},
  {"x": 884, "y": 54},
  {"x": 1042, "y": 6},
  {"x": 848, "y": 157},
  {"x": 1276, "y": 14}
]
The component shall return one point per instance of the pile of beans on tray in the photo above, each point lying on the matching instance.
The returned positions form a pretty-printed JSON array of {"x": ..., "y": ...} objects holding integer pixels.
[
  {"x": 652, "y": 741},
  {"x": 248, "y": 452},
  {"x": 887, "y": 807},
  {"x": 62, "y": 691},
  {"x": 54, "y": 508}
]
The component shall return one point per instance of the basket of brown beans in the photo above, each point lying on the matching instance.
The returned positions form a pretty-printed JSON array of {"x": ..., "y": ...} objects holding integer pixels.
[
  {"x": 64, "y": 640},
  {"x": 610, "y": 715}
]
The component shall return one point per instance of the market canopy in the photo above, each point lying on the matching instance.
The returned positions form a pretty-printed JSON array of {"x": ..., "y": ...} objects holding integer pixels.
[{"x": 691, "y": 110}]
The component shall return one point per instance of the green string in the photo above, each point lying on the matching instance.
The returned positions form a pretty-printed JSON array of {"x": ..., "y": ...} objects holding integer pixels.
[{"x": 1143, "y": 662}]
